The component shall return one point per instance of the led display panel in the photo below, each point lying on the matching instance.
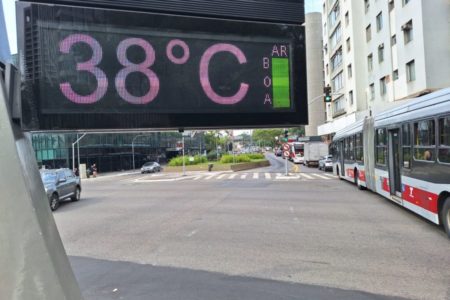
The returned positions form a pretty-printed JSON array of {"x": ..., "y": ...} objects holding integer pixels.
[{"x": 100, "y": 69}]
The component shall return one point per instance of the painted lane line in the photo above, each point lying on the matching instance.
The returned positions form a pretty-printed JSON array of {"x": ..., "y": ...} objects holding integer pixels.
[
  {"x": 320, "y": 176},
  {"x": 232, "y": 176},
  {"x": 329, "y": 175},
  {"x": 221, "y": 176},
  {"x": 244, "y": 176},
  {"x": 306, "y": 176},
  {"x": 279, "y": 175},
  {"x": 255, "y": 175},
  {"x": 210, "y": 177},
  {"x": 268, "y": 176}
]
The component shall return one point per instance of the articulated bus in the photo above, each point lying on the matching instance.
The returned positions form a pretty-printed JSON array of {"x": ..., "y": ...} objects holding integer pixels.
[{"x": 402, "y": 154}]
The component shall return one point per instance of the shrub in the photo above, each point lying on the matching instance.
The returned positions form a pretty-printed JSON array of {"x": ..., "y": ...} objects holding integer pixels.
[
  {"x": 254, "y": 156},
  {"x": 178, "y": 161},
  {"x": 212, "y": 155},
  {"x": 228, "y": 159}
]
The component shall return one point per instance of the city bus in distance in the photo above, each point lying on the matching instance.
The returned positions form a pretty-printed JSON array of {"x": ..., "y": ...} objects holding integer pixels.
[{"x": 402, "y": 154}]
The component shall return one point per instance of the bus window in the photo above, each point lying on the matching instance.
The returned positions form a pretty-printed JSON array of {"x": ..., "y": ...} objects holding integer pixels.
[
  {"x": 351, "y": 148},
  {"x": 359, "y": 147},
  {"x": 424, "y": 140},
  {"x": 406, "y": 146},
  {"x": 381, "y": 148},
  {"x": 444, "y": 140}
]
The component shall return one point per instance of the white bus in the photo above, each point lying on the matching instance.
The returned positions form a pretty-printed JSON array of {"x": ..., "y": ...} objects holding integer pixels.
[{"x": 402, "y": 154}]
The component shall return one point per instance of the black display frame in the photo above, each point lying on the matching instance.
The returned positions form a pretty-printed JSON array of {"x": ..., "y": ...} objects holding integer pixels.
[{"x": 32, "y": 119}]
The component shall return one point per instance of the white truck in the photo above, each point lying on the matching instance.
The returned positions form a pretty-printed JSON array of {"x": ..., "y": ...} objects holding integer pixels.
[{"x": 313, "y": 151}]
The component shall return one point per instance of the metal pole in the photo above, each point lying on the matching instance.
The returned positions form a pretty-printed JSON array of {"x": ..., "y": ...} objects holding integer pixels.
[
  {"x": 184, "y": 165},
  {"x": 286, "y": 166},
  {"x": 78, "y": 154},
  {"x": 73, "y": 149},
  {"x": 132, "y": 151}
]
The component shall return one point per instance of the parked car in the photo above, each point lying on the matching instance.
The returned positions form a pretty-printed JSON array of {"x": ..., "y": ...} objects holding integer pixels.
[
  {"x": 150, "y": 167},
  {"x": 326, "y": 163},
  {"x": 60, "y": 184}
]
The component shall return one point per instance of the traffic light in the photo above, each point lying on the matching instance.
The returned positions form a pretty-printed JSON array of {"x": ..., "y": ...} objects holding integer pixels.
[{"x": 327, "y": 91}]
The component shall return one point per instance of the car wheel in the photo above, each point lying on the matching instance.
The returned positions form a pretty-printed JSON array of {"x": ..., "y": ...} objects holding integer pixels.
[
  {"x": 77, "y": 195},
  {"x": 54, "y": 202},
  {"x": 445, "y": 216}
]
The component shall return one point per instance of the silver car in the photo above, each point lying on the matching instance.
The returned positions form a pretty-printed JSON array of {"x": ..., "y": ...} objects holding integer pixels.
[
  {"x": 326, "y": 163},
  {"x": 150, "y": 167},
  {"x": 60, "y": 184}
]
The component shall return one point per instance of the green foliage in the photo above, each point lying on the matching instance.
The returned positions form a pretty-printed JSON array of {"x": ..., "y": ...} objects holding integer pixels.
[
  {"x": 255, "y": 156},
  {"x": 212, "y": 155},
  {"x": 266, "y": 136},
  {"x": 228, "y": 159},
  {"x": 178, "y": 161}
]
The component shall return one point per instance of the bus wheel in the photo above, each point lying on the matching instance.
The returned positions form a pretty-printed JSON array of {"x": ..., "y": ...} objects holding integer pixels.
[
  {"x": 360, "y": 187},
  {"x": 445, "y": 216},
  {"x": 338, "y": 173}
]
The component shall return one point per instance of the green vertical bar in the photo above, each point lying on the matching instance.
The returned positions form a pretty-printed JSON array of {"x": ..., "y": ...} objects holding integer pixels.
[{"x": 281, "y": 84}]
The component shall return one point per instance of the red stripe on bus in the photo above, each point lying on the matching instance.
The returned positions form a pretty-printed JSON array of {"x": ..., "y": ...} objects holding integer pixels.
[
  {"x": 362, "y": 175},
  {"x": 350, "y": 173},
  {"x": 424, "y": 199}
]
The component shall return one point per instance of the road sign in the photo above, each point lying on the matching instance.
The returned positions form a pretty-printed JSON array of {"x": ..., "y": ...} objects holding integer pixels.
[
  {"x": 286, "y": 147},
  {"x": 286, "y": 153}
]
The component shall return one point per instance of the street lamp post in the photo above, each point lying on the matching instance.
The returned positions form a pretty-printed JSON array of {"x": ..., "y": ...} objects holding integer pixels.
[
  {"x": 132, "y": 148},
  {"x": 73, "y": 151}
]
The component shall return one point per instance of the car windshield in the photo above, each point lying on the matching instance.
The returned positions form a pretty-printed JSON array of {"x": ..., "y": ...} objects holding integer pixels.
[
  {"x": 48, "y": 177},
  {"x": 148, "y": 164}
]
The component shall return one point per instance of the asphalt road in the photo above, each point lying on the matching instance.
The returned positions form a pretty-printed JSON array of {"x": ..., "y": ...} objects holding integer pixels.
[{"x": 251, "y": 238}]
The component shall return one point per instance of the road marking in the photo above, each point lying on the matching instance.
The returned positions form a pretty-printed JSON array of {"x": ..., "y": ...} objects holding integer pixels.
[
  {"x": 329, "y": 175},
  {"x": 243, "y": 176},
  {"x": 210, "y": 177},
  {"x": 232, "y": 176},
  {"x": 197, "y": 178},
  {"x": 291, "y": 209},
  {"x": 320, "y": 176},
  {"x": 255, "y": 175},
  {"x": 192, "y": 233},
  {"x": 306, "y": 176},
  {"x": 268, "y": 176},
  {"x": 278, "y": 174},
  {"x": 221, "y": 176}
]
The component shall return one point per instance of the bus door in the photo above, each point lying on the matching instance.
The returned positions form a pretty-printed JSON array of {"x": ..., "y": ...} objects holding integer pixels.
[
  {"x": 394, "y": 163},
  {"x": 341, "y": 158}
]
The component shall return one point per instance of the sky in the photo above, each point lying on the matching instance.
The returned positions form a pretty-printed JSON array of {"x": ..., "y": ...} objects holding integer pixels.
[{"x": 10, "y": 16}]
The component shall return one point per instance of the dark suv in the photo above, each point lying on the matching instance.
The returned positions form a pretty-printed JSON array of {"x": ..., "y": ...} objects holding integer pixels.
[{"x": 60, "y": 185}]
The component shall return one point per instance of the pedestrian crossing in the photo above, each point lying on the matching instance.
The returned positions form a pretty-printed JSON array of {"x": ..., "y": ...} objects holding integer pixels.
[{"x": 261, "y": 176}]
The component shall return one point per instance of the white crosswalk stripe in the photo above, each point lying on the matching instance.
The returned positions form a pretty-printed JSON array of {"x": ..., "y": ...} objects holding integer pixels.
[
  {"x": 232, "y": 176},
  {"x": 243, "y": 176},
  {"x": 306, "y": 176},
  {"x": 321, "y": 176},
  {"x": 267, "y": 175},
  {"x": 221, "y": 176},
  {"x": 255, "y": 175}
]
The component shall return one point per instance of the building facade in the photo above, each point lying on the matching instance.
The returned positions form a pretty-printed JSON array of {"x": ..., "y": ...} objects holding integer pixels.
[
  {"x": 314, "y": 62},
  {"x": 377, "y": 54},
  {"x": 112, "y": 152}
]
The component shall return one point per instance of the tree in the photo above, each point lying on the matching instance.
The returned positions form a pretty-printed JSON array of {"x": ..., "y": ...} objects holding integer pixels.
[{"x": 266, "y": 136}]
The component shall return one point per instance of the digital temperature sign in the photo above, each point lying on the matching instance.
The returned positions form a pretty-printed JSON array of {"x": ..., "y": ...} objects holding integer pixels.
[{"x": 95, "y": 69}]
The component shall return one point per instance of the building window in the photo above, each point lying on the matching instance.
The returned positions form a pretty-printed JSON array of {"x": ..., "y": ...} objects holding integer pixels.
[
  {"x": 405, "y": 2},
  {"x": 411, "y": 71},
  {"x": 336, "y": 60},
  {"x": 379, "y": 21},
  {"x": 383, "y": 86},
  {"x": 444, "y": 140},
  {"x": 424, "y": 140},
  {"x": 334, "y": 15},
  {"x": 394, "y": 40},
  {"x": 326, "y": 69},
  {"x": 337, "y": 82},
  {"x": 370, "y": 62},
  {"x": 372, "y": 92},
  {"x": 406, "y": 146},
  {"x": 349, "y": 71},
  {"x": 368, "y": 33},
  {"x": 408, "y": 32},
  {"x": 381, "y": 53},
  {"x": 348, "y": 45},
  {"x": 339, "y": 107},
  {"x": 395, "y": 74},
  {"x": 391, "y": 5},
  {"x": 366, "y": 6},
  {"x": 335, "y": 37},
  {"x": 347, "y": 19},
  {"x": 350, "y": 96},
  {"x": 381, "y": 146}
]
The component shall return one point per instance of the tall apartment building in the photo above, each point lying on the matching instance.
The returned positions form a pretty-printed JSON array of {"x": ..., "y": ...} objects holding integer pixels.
[{"x": 379, "y": 53}]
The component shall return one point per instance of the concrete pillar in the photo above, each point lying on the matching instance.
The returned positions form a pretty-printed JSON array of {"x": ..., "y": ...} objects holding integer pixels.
[
  {"x": 33, "y": 262},
  {"x": 314, "y": 65}
]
